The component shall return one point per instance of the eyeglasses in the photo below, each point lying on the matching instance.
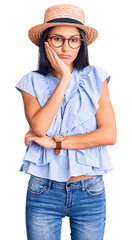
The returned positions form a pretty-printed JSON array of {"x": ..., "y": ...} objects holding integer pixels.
[{"x": 58, "y": 41}]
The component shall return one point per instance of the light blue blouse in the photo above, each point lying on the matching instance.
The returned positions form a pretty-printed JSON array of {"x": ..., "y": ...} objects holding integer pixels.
[{"x": 76, "y": 115}]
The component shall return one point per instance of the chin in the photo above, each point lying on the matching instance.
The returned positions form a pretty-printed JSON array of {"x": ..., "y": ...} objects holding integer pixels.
[{"x": 66, "y": 60}]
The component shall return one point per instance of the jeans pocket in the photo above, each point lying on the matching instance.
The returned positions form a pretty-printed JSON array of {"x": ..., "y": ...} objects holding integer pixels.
[
  {"x": 36, "y": 187},
  {"x": 96, "y": 187}
]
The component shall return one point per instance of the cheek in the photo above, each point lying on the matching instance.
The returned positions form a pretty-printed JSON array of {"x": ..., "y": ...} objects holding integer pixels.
[
  {"x": 57, "y": 51},
  {"x": 75, "y": 53},
  {"x": 50, "y": 44}
]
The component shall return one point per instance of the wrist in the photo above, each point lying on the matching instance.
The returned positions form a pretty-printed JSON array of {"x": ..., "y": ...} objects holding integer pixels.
[
  {"x": 53, "y": 143},
  {"x": 66, "y": 77},
  {"x": 58, "y": 138},
  {"x": 64, "y": 142}
]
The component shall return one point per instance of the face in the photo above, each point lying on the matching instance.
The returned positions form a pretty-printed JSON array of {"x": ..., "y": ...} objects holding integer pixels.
[{"x": 67, "y": 32}]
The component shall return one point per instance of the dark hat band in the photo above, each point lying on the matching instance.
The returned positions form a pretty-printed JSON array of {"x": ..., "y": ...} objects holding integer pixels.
[{"x": 65, "y": 20}]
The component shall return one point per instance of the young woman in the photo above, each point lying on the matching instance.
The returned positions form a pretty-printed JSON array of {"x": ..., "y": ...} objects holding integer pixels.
[{"x": 71, "y": 120}]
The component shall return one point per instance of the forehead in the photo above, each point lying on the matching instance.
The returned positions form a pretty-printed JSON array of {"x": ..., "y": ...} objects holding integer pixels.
[{"x": 65, "y": 30}]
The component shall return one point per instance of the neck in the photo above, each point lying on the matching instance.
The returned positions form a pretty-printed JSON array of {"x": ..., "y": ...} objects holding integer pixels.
[{"x": 56, "y": 74}]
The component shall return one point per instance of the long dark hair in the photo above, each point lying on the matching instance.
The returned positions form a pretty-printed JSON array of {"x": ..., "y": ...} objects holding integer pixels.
[{"x": 44, "y": 66}]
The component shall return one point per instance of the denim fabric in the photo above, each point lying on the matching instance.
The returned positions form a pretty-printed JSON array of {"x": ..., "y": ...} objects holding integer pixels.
[{"x": 48, "y": 201}]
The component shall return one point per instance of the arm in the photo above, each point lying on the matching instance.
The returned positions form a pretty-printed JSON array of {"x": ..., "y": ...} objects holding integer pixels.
[
  {"x": 40, "y": 119},
  {"x": 106, "y": 133}
]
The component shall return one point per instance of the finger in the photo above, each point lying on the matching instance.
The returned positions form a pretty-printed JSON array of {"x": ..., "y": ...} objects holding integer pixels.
[
  {"x": 26, "y": 142},
  {"x": 31, "y": 138},
  {"x": 48, "y": 52},
  {"x": 27, "y": 139},
  {"x": 52, "y": 51},
  {"x": 30, "y": 134},
  {"x": 52, "y": 56}
]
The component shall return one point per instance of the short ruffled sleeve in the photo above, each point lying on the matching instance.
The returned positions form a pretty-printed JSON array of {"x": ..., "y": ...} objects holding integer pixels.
[
  {"x": 100, "y": 76},
  {"x": 91, "y": 82},
  {"x": 26, "y": 84}
]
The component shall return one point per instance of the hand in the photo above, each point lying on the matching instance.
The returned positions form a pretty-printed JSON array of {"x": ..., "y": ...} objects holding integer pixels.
[
  {"x": 45, "y": 141},
  {"x": 56, "y": 62}
]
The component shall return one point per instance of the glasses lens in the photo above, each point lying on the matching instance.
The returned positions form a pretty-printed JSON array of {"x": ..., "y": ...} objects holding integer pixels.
[
  {"x": 75, "y": 42},
  {"x": 57, "y": 41}
]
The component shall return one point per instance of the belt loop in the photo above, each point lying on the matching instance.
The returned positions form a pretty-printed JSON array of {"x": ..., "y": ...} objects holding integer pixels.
[
  {"x": 83, "y": 188},
  {"x": 49, "y": 184}
]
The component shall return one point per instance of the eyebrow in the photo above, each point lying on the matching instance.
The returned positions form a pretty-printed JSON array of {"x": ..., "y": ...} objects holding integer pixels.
[{"x": 63, "y": 36}]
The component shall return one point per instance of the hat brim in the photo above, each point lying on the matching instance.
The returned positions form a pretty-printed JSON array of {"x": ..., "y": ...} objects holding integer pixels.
[{"x": 35, "y": 32}]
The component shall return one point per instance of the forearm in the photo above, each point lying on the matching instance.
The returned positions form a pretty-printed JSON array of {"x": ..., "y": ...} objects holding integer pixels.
[
  {"x": 43, "y": 119},
  {"x": 98, "y": 137}
]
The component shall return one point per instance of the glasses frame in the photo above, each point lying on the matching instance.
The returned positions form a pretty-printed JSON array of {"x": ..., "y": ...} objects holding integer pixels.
[{"x": 64, "y": 41}]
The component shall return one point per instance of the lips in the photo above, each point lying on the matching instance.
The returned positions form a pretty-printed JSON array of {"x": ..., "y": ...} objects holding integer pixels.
[{"x": 65, "y": 56}]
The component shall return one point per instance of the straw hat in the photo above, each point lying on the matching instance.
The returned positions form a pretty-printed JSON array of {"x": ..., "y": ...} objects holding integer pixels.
[{"x": 63, "y": 14}]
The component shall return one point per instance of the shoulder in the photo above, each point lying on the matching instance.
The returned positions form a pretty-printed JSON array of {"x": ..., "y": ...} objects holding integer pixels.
[
  {"x": 35, "y": 79},
  {"x": 92, "y": 81},
  {"x": 33, "y": 83},
  {"x": 95, "y": 74},
  {"x": 34, "y": 75}
]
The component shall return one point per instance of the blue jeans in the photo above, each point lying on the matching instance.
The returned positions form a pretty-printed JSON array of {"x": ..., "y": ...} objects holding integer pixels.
[{"x": 49, "y": 201}]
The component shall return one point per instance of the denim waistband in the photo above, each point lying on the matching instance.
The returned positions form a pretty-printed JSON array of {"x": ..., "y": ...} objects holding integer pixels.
[{"x": 69, "y": 184}]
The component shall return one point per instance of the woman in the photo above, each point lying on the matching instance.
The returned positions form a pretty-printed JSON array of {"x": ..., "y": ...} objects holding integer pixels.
[{"x": 71, "y": 119}]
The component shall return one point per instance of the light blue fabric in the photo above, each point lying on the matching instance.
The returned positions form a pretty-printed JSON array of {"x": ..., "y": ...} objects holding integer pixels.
[{"x": 76, "y": 115}]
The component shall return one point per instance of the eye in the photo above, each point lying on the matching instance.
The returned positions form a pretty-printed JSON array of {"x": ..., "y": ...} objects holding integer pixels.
[
  {"x": 74, "y": 39},
  {"x": 57, "y": 39}
]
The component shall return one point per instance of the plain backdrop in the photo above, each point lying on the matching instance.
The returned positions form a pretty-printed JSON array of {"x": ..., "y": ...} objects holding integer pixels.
[{"x": 112, "y": 51}]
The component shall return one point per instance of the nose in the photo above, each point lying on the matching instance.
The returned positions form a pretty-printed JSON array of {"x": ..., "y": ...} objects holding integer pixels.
[{"x": 65, "y": 46}]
